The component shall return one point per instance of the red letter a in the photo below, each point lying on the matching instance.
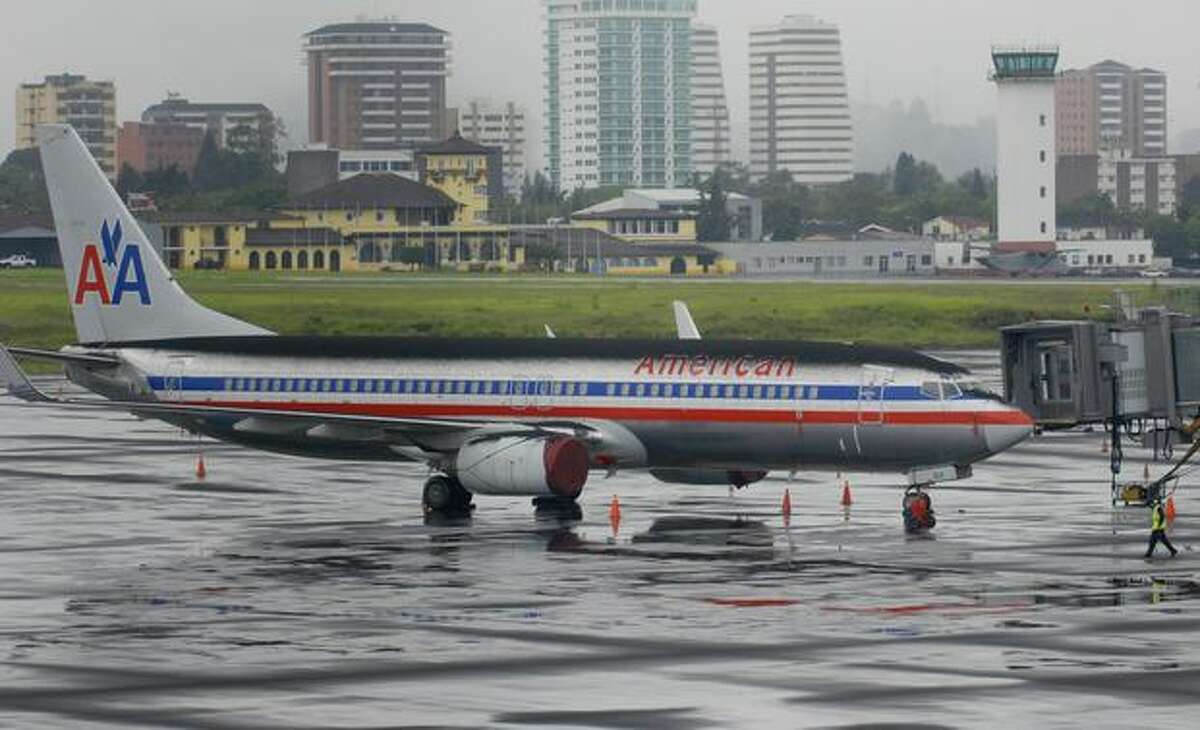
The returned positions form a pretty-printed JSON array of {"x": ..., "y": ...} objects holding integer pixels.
[{"x": 91, "y": 276}]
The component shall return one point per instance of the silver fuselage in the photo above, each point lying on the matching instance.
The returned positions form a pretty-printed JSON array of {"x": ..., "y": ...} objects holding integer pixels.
[{"x": 659, "y": 412}]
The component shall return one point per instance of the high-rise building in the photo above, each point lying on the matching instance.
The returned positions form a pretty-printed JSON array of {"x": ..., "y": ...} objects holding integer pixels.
[
  {"x": 618, "y": 94},
  {"x": 88, "y": 106},
  {"x": 799, "y": 106},
  {"x": 710, "y": 112},
  {"x": 1111, "y": 106},
  {"x": 376, "y": 85},
  {"x": 498, "y": 125},
  {"x": 239, "y": 127},
  {"x": 1025, "y": 158}
]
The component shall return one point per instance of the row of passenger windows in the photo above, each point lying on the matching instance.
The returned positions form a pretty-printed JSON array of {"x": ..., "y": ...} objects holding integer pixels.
[
  {"x": 505, "y": 387},
  {"x": 932, "y": 390}
]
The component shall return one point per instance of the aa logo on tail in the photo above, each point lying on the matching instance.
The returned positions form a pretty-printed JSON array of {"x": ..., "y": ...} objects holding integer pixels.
[{"x": 96, "y": 272}]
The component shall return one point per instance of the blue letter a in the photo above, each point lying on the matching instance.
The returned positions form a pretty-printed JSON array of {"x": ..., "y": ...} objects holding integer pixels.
[{"x": 132, "y": 257}]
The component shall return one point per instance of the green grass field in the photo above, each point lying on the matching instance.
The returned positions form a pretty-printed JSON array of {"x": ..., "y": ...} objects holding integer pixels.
[{"x": 34, "y": 311}]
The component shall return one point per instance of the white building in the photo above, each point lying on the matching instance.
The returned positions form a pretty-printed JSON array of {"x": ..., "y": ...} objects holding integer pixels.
[
  {"x": 799, "y": 107},
  {"x": 500, "y": 125},
  {"x": 710, "y": 112},
  {"x": 241, "y": 127},
  {"x": 618, "y": 108},
  {"x": 1147, "y": 183},
  {"x": 1025, "y": 156},
  {"x": 399, "y": 161}
]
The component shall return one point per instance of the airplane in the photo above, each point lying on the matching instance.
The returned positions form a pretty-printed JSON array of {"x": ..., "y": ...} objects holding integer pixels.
[{"x": 514, "y": 417}]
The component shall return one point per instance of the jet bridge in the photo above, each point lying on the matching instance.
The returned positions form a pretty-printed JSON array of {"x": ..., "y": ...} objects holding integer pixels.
[{"x": 1139, "y": 375}]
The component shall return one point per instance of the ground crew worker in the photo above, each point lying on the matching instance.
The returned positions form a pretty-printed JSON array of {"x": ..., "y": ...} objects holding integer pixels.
[{"x": 1158, "y": 529}]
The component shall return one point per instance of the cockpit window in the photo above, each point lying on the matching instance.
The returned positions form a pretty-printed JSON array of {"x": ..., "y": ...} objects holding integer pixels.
[
  {"x": 950, "y": 390},
  {"x": 931, "y": 390}
]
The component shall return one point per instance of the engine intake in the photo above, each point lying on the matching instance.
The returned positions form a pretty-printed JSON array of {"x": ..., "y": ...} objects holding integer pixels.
[{"x": 555, "y": 466}]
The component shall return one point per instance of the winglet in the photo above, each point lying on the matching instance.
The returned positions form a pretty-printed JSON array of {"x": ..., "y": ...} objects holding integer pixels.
[
  {"x": 683, "y": 322},
  {"x": 17, "y": 381},
  {"x": 550, "y": 332}
]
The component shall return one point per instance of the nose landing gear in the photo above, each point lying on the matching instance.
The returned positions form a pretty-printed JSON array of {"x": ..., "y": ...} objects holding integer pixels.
[
  {"x": 917, "y": 509},
  {"x": 445, "y": 496}
]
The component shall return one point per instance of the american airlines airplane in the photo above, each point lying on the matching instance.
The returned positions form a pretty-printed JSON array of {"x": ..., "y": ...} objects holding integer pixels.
[{"x": 530, "y": 417}]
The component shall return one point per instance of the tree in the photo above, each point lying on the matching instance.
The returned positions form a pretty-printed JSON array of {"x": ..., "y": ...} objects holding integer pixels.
[
  {"x": 904, "y": 178},
  {"x": 1189, "y": 199},
  {"x": 22, "y": 184},
  {"x": 713, "y": 222}
]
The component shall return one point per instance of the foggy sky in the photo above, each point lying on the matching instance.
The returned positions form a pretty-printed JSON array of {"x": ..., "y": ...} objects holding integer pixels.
[{"x": 234, "y": 50}]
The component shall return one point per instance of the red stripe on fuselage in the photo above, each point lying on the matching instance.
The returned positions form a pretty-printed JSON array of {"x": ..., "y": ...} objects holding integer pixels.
[{"x": 629, "y": 413}]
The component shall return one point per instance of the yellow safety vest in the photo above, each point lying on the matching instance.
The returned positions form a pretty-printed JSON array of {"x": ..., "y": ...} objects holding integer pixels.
[{"x": 1158, "y": 520}]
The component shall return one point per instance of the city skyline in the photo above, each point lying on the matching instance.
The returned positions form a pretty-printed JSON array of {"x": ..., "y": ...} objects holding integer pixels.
[{"x": 260, "y": 59}]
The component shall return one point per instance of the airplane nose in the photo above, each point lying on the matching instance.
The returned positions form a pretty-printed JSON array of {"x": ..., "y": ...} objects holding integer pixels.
[{"x": 1005, "y": 429}]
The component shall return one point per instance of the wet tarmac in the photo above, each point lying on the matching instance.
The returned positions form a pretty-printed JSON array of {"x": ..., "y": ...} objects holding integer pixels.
[{"x": 284, "y": 593}]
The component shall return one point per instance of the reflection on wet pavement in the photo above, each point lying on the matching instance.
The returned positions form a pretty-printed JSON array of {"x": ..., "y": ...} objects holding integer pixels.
[{"x": 283, "y": 593}]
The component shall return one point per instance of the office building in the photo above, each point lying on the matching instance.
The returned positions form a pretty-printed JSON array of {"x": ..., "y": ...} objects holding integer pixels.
[
  {"x": 500, "y": 125},
  {"x": 1130, "y": 182},
  {"x": 1111, "y": 106},
  {"x": 376, "y": 85},
  {"x": 88, "y": 106},
  {"x": 710, "y": 111},
  {"x": 1025, "y": 158},
  {"x": 148, "y": 147},
  {"x": 800, "y": 118},
  {"x": 239, "y": 127},
  {"x": 618, "y": 98}
]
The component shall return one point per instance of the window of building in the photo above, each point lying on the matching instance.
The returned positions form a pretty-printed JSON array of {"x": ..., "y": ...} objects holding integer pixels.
[
  {"x": 1043, "y": 226},
  {"x": 1042, "y": 191},
  {"x": 1042, "y": 156},
  {"x": 1042, "y": 120},
  {"x": 926, "y": 259}
]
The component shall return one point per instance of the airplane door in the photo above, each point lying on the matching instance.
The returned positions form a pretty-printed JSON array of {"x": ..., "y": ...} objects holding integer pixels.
[
  {"x": 873, "y": 382},
  {"x": 173, "y": 380}
]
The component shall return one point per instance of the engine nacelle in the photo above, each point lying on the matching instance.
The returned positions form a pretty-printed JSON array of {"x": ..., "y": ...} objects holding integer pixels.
[
  {"x": 555, "y": 466},
  {"x": 737, "y": 477}
]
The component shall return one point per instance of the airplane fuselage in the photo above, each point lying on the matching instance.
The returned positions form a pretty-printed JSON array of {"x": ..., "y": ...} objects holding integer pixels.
[{"x": 661, "y": 405}]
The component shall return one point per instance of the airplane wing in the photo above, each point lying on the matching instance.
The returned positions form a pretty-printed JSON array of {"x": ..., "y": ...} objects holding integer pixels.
[{"x": 428, "y": 434}]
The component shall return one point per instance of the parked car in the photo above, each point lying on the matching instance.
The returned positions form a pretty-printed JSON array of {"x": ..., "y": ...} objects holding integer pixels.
[
  {"x": 17, "y": 261},
  {"x": 1152, "y": 274}
]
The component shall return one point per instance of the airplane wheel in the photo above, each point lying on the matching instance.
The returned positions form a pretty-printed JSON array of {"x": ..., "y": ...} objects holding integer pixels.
[
  {"x": 560, "y": 507},
  {"x": 445, "y": 496}
]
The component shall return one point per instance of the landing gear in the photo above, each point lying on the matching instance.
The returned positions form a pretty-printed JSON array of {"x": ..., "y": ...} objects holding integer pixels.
[
  {"x": 917, "y": 510},
  {"x": 444, "y": 495},
  {"x": 563, "y": 508}
]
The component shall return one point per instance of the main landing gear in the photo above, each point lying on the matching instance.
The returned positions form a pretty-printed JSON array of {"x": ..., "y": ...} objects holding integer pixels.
[
  {"x": 917, "y": 510},
  {"x": 562, "y": 508},
  {"x": 445, "y": 496}
]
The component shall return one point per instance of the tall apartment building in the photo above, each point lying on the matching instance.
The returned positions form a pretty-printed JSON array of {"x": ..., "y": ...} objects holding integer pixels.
[
  {"x": 618, "y": 92},
  {"x": 498, "y": 125},
  {"x": 240, "y": 127},
  {"x": 799, "y": 106},
  {"x": 88, "y": 106},
  {"x": 1111, "y": 106},
  {"x": 376, "y": 85},
  {"x": 710, "y": 111}
]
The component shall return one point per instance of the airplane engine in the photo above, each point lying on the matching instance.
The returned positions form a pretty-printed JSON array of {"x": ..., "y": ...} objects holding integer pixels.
[
  {"x": 736, "y": 477},
  {"x": 556, "y": 466}
]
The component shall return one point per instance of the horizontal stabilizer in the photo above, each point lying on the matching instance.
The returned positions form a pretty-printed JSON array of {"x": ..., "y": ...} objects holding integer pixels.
[
  {"x": 66, "y": 357},
  {"x": 17, "y": 381}
]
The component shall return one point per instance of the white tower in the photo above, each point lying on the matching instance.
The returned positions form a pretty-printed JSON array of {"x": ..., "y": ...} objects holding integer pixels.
[{"x": 1025, "y": 155}]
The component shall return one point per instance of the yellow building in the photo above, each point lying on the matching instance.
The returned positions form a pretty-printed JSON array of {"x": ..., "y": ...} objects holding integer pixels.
[
  {"x": 369, "y": 222},
  {"x": 640, "y": 225},
  {"x": 463, "y": 171},
  {"x": 88, "y": 106}
]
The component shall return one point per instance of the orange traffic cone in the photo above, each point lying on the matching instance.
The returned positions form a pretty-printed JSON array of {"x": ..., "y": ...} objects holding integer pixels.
[
  {"x": 614, "y": 514},
  {"x": 1171, "y": 508},
  {"x": 846, "y": 499},
  {"x": 201, "y": 472},
  {"x": 786, "y": 507}
]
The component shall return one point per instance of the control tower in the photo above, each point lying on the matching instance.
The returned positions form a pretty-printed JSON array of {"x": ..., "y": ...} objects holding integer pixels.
[{"x": 1025, "y": 156}]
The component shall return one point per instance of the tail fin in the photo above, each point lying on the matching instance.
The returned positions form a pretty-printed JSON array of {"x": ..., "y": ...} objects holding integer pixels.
[{"x": 119, "y": 289}]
